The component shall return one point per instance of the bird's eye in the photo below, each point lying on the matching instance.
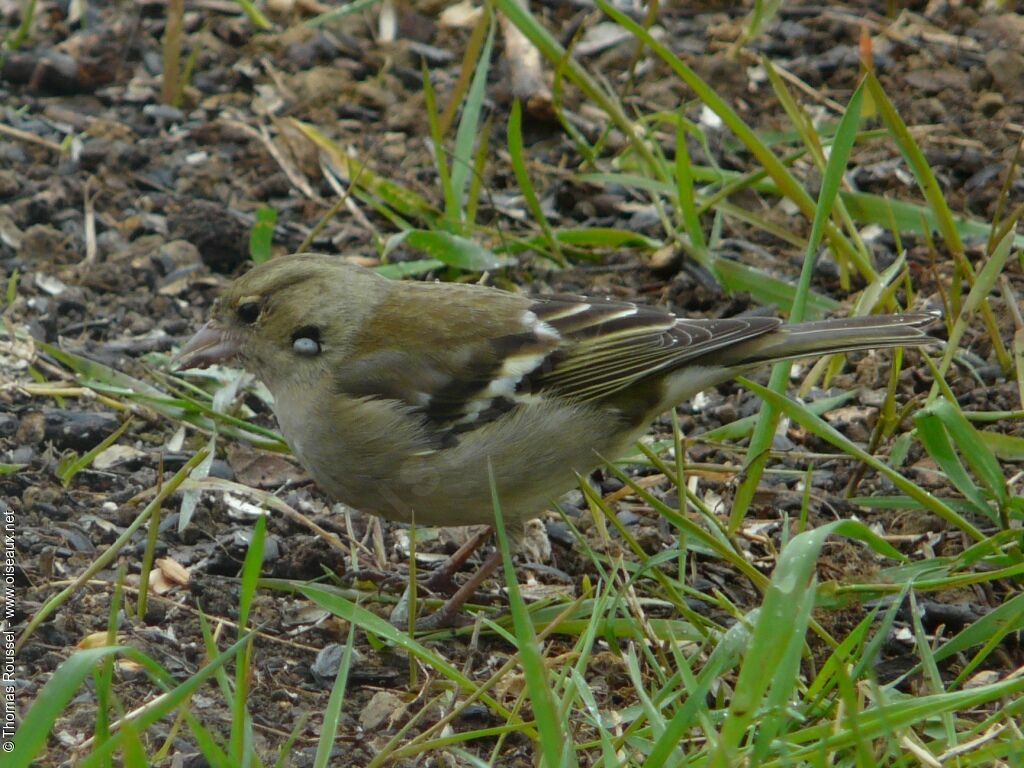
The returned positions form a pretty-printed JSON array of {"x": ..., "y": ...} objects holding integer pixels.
[
  {"x": 249, "y": 312},
  {"x": 306, "y": 341}
]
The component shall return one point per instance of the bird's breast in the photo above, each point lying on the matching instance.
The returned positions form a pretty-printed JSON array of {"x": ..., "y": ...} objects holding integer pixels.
[{"x": 376, "y": 456}]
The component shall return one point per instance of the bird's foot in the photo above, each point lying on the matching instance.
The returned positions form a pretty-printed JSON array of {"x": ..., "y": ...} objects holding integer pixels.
[
  {"x": 450, "y": 614},
  {"x": 445, "y": 617},
  {"x": 436, "y": 582},
  {"x": 439, "y": 581}
]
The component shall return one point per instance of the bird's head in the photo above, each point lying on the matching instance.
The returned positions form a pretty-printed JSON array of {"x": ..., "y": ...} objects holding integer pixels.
[{"x": 286, "y": 319}]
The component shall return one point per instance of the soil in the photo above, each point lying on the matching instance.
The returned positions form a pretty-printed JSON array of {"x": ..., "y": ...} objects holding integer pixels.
[{"x": 123, "y": 217}]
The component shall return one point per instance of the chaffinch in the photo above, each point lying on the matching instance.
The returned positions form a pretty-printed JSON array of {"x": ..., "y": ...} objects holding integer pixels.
[{"x": 395, "y": 395}]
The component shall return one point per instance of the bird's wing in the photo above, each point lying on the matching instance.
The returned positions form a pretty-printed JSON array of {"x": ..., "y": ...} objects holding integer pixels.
[
  {"x": 455, "y": 377},
  {"x": 582, "y": 350},
  {"x": 608, "y": 346}
]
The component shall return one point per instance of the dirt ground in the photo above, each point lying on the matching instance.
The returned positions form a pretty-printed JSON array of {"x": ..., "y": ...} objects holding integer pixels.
[{"x": 124, "y": 217}]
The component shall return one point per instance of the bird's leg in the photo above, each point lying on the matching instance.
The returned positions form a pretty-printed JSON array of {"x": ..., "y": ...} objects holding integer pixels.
[
  {"x": 441, "y": 580},
  {"x": 449, "y": 614}
]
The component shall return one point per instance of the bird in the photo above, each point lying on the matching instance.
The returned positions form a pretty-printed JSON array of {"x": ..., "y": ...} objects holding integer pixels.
[{"x": 401, "y": 397}]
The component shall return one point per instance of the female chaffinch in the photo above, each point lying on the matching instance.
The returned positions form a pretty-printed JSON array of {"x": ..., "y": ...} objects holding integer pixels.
[{"x": 396, "y": 395}]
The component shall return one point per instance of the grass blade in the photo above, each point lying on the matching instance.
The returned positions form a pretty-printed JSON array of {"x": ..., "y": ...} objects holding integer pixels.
[
  {"x": 761, "y": 440},
  {"x": 549, "y": 724}
]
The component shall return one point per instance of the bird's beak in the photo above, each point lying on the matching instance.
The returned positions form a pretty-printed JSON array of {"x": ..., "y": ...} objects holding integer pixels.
[{"x": 210, "y": 345}]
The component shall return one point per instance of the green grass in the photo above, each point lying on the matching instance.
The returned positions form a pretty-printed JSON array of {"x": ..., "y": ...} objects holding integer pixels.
[{"x": 759, "y": 671}]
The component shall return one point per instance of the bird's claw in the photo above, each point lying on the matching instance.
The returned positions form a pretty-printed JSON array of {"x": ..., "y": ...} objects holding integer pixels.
[
  {"x": 448, "y": 616},
  {"x": 439, "y": 581}
]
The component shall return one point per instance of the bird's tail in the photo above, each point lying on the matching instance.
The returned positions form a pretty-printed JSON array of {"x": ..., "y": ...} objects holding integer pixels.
[{"x": 822, "y": 337}]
